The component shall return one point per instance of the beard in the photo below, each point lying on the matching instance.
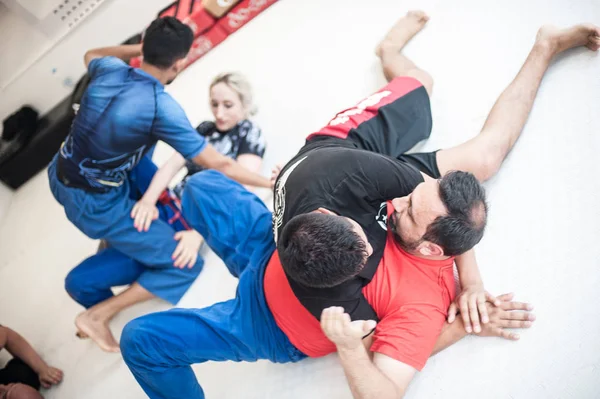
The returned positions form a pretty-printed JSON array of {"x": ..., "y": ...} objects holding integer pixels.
[{"x": 406, "y": 245}]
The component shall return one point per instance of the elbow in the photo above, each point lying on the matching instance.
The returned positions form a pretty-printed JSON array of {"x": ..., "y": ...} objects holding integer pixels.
[
  {"x": 223, "y": 165},
  {"x": 212, "y": 160},
  {"x": 88, "y": 57},
  {"x": 3, "y": 337},
  {"x": 397, "y": 394}
]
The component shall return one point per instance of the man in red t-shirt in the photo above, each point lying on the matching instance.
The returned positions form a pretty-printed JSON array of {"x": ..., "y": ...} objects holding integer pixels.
[
  {"x": 410, "y": 285},
  {"x": 327, "y": 242}
]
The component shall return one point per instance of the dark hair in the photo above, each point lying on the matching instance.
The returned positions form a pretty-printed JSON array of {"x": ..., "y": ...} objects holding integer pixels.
[
  {"x": 462, "y": 228},
  {"x": 166, "y": 41},
  {"x": 319, "y": 250}
]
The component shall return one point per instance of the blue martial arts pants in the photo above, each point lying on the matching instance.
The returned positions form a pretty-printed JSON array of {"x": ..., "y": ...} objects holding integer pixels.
[
  {"x": 159, "y": 348},
  {"x": 143, "y": 257}
]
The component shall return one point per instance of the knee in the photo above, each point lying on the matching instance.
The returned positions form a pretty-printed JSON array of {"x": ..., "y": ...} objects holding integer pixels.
[
  {"x": 202, "y": 185},
  {"x": 423, "y": 77},
  {"x": 387, "y": 49},
  {"x": 22, "y": 391},
  {"x": 201, "y": 180},
  {"x": 131, "y": 337},
  {"x": 74, "y": 284},
  {"x": 207, "y": 177},
  {"x": 83, "y": 288},
  {"x": 136, "y": 341}
]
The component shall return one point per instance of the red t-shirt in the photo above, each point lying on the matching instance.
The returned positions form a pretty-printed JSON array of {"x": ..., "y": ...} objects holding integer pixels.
[{"x": 410, "y": 295}]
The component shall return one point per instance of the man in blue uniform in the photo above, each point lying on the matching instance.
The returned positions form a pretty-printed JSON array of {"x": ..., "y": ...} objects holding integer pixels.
[{"x": 123, "y": 113}]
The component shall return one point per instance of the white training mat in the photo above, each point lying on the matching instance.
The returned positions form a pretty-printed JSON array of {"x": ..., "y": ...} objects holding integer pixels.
[{"x": 307, "y": 60}]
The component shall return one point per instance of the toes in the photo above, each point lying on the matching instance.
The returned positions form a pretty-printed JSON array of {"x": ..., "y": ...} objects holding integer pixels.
[
  {"x": 594, "y": 42},
  {"x": 81, "y": 335},
  {"x": 419, "y": 15}
]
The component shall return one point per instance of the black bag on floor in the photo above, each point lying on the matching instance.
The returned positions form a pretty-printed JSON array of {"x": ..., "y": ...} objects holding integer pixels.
[
  {"x": 22, "y": 123},
  {"x": 17, "y": 130}
]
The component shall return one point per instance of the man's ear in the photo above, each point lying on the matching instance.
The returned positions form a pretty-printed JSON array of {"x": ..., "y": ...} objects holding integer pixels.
[
  {"x": 325, "y": 211},
  {"x": 179, "y": 65},
  {"x": 428, "y": 248}
]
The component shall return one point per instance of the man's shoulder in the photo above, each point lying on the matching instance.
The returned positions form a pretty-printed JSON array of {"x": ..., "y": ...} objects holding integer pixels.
[
  {"x": 165, "y": 99},
  {"x": 338, "y": 157},
  {"x": 403, "y": 281},
  {"x": 166, "y": 106},
  {"x": 102, "y": 66}
]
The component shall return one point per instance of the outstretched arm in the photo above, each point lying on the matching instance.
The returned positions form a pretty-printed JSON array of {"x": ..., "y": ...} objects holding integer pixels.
[
  {"x": 124, "y": 52},
  {"x": 17, "y": 346},
  {"x": 210, "y": 158},
  {"x": 251, "y": 162},
  {"x": 385, "y": 377},
  {"x": 380, "y": 378},
  {"x": 144, "y": 211},
  {"x": 483, "y": 154},
  {"x": 471, "y": 301},
  {"x": 505, "y": 314}
]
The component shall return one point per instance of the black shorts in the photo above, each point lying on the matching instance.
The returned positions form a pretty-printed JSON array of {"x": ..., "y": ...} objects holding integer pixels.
[
  {"x": 18, "y": 372},
  {"x": 389, "y": 122}
]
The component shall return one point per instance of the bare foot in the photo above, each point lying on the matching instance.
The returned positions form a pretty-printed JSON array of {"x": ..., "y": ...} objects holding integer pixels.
[
  {"x": 49, "y": 376},
  {"x": 558, "y": 40},
  {"x": 403, "y": 31},
  {"x": 90, "y": 326}
]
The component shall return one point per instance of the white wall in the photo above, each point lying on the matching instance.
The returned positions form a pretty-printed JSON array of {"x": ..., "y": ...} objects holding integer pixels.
[
  {"x": 15, "y": 31},
  {"x": 50, "y": 79}
]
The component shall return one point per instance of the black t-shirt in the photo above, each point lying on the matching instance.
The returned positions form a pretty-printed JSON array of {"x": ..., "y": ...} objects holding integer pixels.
[
  {"x": 245, "y": 138},
  {"x": 350, "y": 182}
]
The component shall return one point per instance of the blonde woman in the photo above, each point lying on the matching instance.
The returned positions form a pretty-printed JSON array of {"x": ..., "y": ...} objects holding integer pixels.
[{"x": 231, "y": 133}]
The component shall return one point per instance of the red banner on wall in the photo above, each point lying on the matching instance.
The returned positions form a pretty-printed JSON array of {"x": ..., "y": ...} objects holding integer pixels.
[
  {"x": 242, "y": 13},
  {"x": 205, "y": 42},
  {"x": 199, "y": 21},
  {"x": 208, "y": 31},
  {"x": 218, "y": 8},
  {"x": 178, "y": 9}
]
